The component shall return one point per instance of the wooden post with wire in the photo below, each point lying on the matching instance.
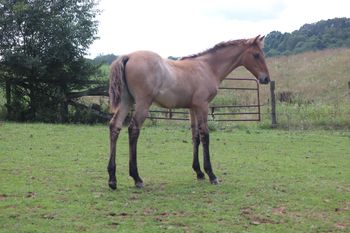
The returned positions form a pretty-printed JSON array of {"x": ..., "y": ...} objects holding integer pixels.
[{"x": 273, "y": 105}]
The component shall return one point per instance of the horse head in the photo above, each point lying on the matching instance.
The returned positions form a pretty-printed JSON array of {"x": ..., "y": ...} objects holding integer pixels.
[{"x": 253, "y": 59}]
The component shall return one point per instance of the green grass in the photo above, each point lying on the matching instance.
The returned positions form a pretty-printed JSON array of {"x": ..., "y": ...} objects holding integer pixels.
[
  {"x": 53, "y": 179},
  {"x": 311, "y": 116}
]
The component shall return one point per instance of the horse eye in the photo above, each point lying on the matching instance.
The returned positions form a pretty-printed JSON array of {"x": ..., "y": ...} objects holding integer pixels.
[{"x": 256, "y": 55}]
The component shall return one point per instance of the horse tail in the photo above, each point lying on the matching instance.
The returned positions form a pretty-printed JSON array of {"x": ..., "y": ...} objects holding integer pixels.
[{"x": 117, "y": 82}]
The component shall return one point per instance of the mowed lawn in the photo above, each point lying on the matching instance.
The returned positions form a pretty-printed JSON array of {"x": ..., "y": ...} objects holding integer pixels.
[{"x": 53, "y": 178}]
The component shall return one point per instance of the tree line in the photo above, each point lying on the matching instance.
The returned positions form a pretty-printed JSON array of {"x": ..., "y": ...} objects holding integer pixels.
[{"x": 332, "y": 33}]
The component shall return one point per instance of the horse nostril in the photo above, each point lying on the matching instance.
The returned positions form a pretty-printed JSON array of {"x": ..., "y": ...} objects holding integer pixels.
[{"x": 264, "y": 80}]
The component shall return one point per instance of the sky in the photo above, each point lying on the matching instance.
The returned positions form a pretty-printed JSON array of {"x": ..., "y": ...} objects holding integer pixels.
[{"x": 183, "y": 27}]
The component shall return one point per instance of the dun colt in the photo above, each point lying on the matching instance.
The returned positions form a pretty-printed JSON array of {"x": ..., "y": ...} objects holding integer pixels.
[{"x": 142, "y": 78}]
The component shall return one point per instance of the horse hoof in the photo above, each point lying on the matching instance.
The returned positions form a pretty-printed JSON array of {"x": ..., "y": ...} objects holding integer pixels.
[
  {"x": 112, "y": 185},
  {"x": 214, "y": 181},
  {"x": 139, "y": 185},
  {"x": 201, "y": 177}
]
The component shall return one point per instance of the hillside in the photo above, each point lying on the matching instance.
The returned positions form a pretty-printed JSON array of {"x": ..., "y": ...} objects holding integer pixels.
[
  {"x": 311, "y": 76},
  {"x": 331, "y": 33}
]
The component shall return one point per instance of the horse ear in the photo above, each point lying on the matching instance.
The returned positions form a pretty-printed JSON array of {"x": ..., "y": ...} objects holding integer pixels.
[
  {"x": 253, "y": 40},
  {"x": 256, "y": 39},
  {"x": 259, "y": 40},
  {"x": 262, "y": 42}
]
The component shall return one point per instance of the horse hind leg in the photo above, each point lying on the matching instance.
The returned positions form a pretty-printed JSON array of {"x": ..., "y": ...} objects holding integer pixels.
[
  {"x": 115, "y": 126},
  {"x": 141, "y": 112}
]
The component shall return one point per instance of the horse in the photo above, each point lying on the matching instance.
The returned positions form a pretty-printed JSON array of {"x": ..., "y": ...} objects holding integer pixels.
[{"x": 142, "y": 78}]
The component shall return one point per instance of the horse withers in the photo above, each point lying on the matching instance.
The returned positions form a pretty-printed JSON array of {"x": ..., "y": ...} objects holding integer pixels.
[{"x": 142, "y": 78}]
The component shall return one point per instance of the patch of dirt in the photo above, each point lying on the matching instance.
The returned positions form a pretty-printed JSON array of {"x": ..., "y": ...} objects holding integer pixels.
[
  {"x": 158, "y": 219},
  {"x": 340, "y": 226},
  {"x": 114, "y": 224},
  {"x": 281, "y": 210},
  {"x": 30, "y": 195},
  {"x": 344, "y": 207},
  {"x": 48, "y": 216},
  {"x": 164, "y": 216},
  {"x": 149, "y": 211},
  {"x": 3, "y": 197},
  {"x": 255, "y": 219}
]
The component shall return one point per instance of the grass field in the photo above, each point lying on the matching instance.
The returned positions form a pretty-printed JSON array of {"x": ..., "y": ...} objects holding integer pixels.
[{"x": 53, "y": 178}]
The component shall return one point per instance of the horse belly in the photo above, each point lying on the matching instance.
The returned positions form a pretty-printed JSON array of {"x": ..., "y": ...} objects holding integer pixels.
[{"x": 169, "y": 99}]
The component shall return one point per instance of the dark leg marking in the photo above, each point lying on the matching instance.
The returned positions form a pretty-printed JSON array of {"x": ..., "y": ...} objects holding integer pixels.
[
  {"x": 207, "y": 164},
  {"x": 134, "y": 133},
  {"x": 195, "y": 165}
]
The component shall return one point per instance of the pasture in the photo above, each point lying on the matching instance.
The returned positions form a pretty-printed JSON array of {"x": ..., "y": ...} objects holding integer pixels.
[{"x": 53, "y": 178}]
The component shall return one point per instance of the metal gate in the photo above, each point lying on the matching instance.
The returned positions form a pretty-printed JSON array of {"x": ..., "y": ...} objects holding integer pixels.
[{"x": 231, "y": 112}]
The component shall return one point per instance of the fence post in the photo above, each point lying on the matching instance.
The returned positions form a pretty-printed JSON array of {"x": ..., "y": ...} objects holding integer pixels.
[{"x": 273, "y": 104}]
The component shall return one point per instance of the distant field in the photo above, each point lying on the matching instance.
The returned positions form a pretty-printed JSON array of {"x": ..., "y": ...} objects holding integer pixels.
[
  {"x": 311, "y": 76},
  {"x": 317, "y": 83},
  {"x": 53, "y": 179}
]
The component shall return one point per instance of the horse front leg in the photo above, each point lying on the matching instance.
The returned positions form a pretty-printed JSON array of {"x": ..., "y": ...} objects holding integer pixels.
[
  {"x": 204, "y": 135},
  {"x": 204, "y": 138},
  {"x": 196, "y": 141}
]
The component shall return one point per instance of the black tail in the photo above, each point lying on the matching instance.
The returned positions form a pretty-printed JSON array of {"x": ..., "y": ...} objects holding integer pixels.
[{"x": 116, "y": 82}]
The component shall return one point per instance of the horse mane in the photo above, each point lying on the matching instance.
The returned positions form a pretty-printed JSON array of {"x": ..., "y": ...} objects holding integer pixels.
[
  {"x": 218, "y": 46},
  {"x": 225, "y": 44}
]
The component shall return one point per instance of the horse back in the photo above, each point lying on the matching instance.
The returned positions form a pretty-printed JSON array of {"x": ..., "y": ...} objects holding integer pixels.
[{"x": 169, "y": 83}]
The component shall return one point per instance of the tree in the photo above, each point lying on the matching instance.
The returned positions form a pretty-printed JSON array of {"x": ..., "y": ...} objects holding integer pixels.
[
  {"x": 42, "y": 48},
  {"x": 330, "y": 33},
  {"x": 105, "y": 59}
]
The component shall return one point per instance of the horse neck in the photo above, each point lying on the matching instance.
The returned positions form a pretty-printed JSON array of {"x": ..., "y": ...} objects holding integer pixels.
[{"x": 223, "y": 61}]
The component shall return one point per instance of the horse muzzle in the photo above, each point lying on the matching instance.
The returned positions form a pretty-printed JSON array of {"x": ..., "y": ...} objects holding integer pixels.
[{"x": 264, "y": 79}]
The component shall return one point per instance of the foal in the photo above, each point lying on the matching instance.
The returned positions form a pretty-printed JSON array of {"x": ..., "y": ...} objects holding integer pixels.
[{"x": 143, "y": 78}]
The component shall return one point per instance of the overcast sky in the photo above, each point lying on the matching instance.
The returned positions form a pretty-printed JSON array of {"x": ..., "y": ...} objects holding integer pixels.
[{"x": 184, "y": 27}]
